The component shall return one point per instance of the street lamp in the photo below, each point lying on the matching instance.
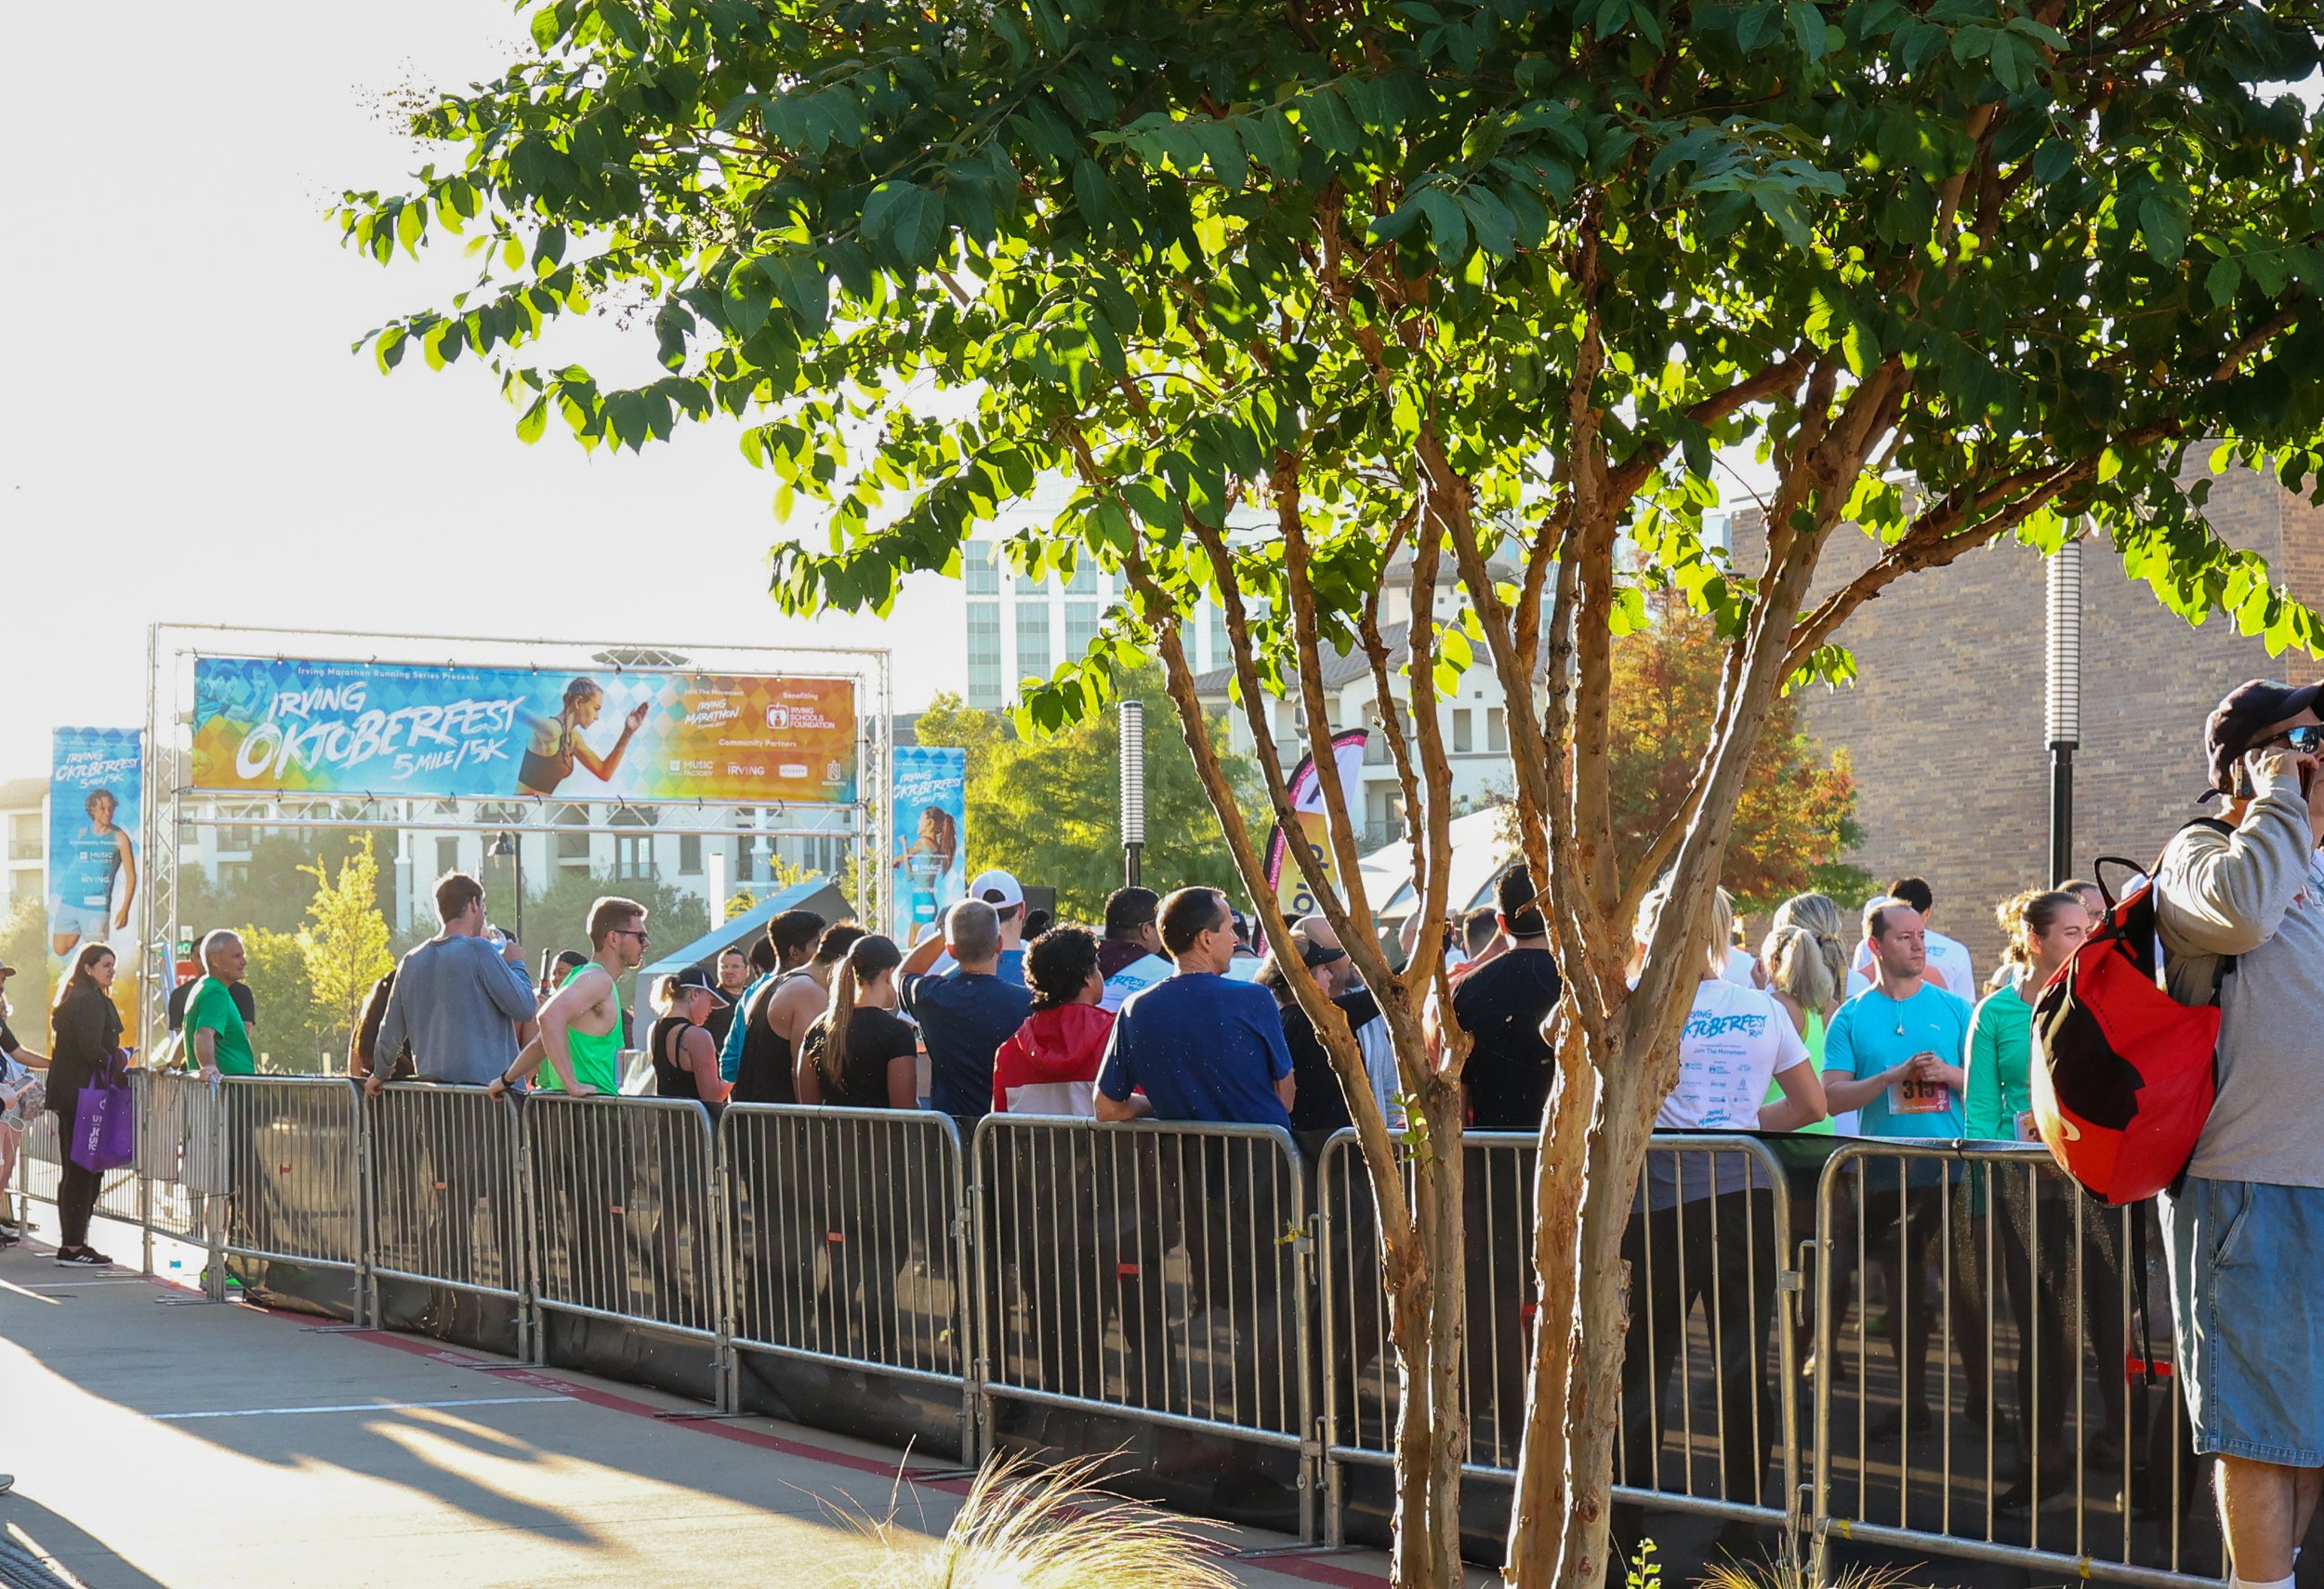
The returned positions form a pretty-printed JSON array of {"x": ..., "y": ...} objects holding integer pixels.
[
  {"x": 1133, "y": 788},
  {"x": 505, "y": 849},
  {"x": 2064, "y": 699}
]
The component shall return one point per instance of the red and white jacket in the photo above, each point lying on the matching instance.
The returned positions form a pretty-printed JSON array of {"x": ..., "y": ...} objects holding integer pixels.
[{"x": 1049, "y": 1065}]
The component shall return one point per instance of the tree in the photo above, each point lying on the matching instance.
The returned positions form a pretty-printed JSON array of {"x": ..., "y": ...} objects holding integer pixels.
[
  {"x": 1477, "y": 284},
  {"x": 1049, "y": 808},
  {"x": 556, "y": 918},
  {"x": 1795, "y": 817},
  {"x": 24, "y": 945},
  {"x": 344, "y": 942},
  {"x": 288, "y": 1036}
]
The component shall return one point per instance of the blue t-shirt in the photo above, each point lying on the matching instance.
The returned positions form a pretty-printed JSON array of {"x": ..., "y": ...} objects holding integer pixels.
[
  {"x": 1872, "y": 1032},
  {"x": 963, "y": 1019},
  {"x": 1202, "y": 1047},
  {"x": 730, "y": 1055}
]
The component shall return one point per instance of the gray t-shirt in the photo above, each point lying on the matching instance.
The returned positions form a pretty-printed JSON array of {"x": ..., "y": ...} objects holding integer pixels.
[
  {"x": 2257, "y": 893},
  {"x": 458, "y": 1001}
]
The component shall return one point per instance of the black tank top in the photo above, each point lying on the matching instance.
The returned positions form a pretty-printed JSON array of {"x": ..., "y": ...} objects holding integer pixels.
[
  {"x": 672, "y": 1079},
  {"x": 763, "y": 1074}
]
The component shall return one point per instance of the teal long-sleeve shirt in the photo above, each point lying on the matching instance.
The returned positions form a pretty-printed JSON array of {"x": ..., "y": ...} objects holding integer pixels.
[
  {"x": 731, "y": 1057},
  {"x": 2000, "y": 1047}
]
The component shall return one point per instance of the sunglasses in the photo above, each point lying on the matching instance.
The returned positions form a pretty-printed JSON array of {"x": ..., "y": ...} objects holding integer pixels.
[{"x": 2307, "y": 740}]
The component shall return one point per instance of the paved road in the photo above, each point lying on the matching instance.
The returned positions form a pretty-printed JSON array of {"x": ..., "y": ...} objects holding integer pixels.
[{"x": 164, "y": 1443}]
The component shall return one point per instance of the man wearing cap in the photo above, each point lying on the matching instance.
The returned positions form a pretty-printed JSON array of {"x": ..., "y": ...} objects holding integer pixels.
[
  {"x": 1130, "y": 959},
  {"x": 462, "y": 999},
  {"x": 686, "y": 1056},
  {"x": 2244, "y": 1229},
  {"x": 966, "y": 1013}
]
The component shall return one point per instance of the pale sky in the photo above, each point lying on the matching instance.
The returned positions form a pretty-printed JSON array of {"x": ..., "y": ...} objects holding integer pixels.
[{"x": 184, "y": 435}]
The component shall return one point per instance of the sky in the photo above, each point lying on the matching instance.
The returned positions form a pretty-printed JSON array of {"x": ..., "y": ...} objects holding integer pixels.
[{"x": 186, "y": 437}]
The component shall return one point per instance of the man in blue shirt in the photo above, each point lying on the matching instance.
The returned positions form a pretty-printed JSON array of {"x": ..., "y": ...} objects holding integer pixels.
[
  {"x": 1895, "y": 1052},
  {"x": 1198, "y": 1045},
  {"x": 965, "y": 1015}
]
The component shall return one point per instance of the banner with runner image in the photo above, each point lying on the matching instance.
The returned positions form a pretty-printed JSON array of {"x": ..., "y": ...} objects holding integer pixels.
[
  {"x": 927, "y": 821},
  {"x": 300, "y": 727},
  {"x": 94, "y": 804}
]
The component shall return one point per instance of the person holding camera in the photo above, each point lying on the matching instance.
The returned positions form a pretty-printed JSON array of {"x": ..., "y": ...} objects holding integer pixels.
[
  {"x": 2241, "y": 907},
  {"x": 463, "y": 999}
]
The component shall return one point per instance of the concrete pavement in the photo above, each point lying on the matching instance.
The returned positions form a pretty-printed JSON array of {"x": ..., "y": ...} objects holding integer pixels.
[{"x": 160, "y": 1441}]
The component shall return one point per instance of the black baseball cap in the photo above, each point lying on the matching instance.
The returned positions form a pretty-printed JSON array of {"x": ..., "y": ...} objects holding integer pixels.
[
  {"x": 695, "y": 976},
  {"x": 2250, "y": 709}
]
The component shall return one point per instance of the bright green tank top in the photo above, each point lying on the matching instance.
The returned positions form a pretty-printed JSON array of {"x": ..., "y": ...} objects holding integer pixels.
[
  {"x": 1813, "y": 1038},
  {"x": 596, "y": 1061}
]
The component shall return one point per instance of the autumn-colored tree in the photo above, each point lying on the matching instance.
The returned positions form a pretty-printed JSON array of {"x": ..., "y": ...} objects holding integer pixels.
[
  {"x": 344, "y": 941},
  {"x": 1795, "y": 818}
]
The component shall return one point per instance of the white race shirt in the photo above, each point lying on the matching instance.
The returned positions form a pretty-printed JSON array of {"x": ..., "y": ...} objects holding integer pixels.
[
  {"x": 1135, "y": 977},
  {"x": 1735, "y": 1041}
]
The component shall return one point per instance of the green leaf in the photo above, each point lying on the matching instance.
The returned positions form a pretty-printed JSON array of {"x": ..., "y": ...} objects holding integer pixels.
[
  {"x": 1496, "y": 228},
  {"x": 1807, "y": 29},
  {"x": 1450, "y": 227},
  {"x": 2222, "y": 281},
  {"x": 906, "y": 217},
  {"x": 2164, "y": 225},
  {"x": 749, "y": 298}
]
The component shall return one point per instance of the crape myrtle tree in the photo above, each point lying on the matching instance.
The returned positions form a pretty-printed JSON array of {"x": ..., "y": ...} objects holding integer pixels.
[{"x": 1421, "y": 288}]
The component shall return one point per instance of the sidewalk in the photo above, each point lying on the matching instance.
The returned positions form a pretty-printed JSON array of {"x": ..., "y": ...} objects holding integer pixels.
[{"x": 161, "y": 1441}]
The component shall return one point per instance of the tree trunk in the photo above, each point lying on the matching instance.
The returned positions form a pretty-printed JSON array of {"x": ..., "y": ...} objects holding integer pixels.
[{"x": 1429, "y": 1323}]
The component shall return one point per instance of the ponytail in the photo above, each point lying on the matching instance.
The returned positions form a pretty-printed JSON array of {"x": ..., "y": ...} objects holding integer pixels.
[
  {"x": 2023, "y": 918},
  {"x": 866, "y": 959},
  {"x": 1805, "y": 959}
]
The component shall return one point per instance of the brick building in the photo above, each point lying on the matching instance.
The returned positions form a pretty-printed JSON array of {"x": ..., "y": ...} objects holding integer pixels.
[{"x": 1945, "y": 718}]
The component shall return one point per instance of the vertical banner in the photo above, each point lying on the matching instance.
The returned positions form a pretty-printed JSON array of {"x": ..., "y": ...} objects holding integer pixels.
[
  {"x": 1307, "y": 799},
  {"x": 93, "y": 868},
  {"x": 928, "y": 826}
]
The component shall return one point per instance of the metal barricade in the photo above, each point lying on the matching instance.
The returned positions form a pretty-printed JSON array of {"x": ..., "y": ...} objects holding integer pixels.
[
  {"x": 2009, "y": 1417},
  {"x": 293, "y": 1169},
  {"x": 1152, "y": 1271},
  {"x": 447, "y": 1191},
  {"x": 1711, "y": 1301},
  {"x": 850, "y": 1239},
  {"x": 181, "y": 1161},
  {"x": 122, "y": 1194},
  {"x": 627, "y": 1214}
]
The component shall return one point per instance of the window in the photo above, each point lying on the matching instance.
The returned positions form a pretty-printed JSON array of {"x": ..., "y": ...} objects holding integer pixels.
[
  {"x": 1084, "y": 581},
  {"x": 984, "y": 654},
  {"x": 1495, "y": 729},
  {"x": 1081, "y": 627},
  {"x": 1220, "y": 656},
  {"x": 633, "y": 856},
  {"x": 572, "y": 851},
  {"x": 1032, "y": 658},
  {"x": 981, "y": 569},
  {"x": 1465, "y": 731},
  {"x": 447, "y": 855},
  {"x": 232, "y": 874},
  {"x": 24, "y": 836},
  {"x": 690, "y": 854}
]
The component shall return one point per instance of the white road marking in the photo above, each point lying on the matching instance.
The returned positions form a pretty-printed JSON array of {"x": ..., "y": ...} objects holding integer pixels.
[{"x": 357, "y": 1407}]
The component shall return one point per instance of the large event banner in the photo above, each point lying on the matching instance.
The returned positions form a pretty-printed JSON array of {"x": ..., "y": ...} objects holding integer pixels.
[
  {"x": 927, "y": 818},
  {"x": 389, "y": 728},
  {"x": 94, "y": 804}
]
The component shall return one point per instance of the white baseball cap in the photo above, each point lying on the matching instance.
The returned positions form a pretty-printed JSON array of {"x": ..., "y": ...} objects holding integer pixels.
[{"x": 996, "y": 888}]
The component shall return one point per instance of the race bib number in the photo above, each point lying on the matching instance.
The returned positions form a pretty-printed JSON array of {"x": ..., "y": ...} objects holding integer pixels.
[{"x": 1910, "y": 1097}]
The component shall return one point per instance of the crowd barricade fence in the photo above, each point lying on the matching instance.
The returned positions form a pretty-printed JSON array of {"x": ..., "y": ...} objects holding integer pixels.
[
  {"x": 850, "y": 1241},
  {"x": 1979, "y": 1389},
  {"x": 627, "y": 1216},
  {"x": 1978, "y": 1367},
  {"x": 1153, "y": 1272},
  {"x": 1713, "y": 1327},
  {"x": 291, "y": 1163},
  {"x": 448, "y": 1194}
]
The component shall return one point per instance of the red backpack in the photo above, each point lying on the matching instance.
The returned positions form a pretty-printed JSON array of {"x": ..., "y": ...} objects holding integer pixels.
[{"x": 2123, "y": 1075}]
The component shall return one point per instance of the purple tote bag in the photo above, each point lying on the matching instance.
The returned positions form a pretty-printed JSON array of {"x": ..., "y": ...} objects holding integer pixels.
[{"x": 105, "y": 1120}]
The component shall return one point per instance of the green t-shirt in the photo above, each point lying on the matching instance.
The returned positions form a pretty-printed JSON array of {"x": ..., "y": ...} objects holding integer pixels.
[
  {"x": 596, "y": 1060},
  {"x": 1813, "y": 1038},
  {"x": 212, "y": 1009}
]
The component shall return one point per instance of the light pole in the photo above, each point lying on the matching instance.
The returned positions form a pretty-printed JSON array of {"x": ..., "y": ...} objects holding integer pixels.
[
  {"x": 2064, "y": 700},
  {"x": 505, "y": 848},
  {"x": 1133, "y": 788}
]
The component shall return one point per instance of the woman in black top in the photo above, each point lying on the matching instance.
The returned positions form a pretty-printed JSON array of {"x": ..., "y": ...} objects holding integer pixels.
[
  {"x": 859, "y": 1053},
  {"x": 87, "y": 1030},
  {"x": 685, "y": 1059}
]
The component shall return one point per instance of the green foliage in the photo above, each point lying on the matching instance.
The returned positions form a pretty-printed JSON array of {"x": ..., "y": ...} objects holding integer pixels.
[
  {"x": 1050, "y": 808},
  {"x": 273, "y": 888},
  {"x": 344, "y": 942},
  {"x": 290, "y": 1037},
  {"x": 1162, "y": 250},
  {"x": 556, "y": 918},
  {"x": 24, "y": 945}
]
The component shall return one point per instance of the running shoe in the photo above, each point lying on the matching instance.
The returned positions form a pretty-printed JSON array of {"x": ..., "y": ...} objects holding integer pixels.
[{"x": 83, "y": 1258}]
